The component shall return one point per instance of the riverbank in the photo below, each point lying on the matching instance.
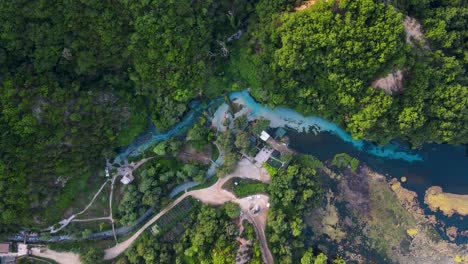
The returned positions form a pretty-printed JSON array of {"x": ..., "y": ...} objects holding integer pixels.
[
  {"x": 370, "y": 219},
  {"x": 448, "y": 203}
]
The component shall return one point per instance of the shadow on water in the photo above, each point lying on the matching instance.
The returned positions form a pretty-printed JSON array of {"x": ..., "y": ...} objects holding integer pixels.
[{"x": 441, "y": 165}]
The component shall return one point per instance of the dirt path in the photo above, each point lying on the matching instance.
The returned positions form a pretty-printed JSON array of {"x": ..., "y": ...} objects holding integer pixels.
[
  {"x": 94, "y": 198},
  {"x": 59, "y": 257},
  {"x": 258, "y": 220},
  {"x": 113, "y": 252},
  {"x": 216, "y": 195},
  {"x": 306, "y": 5}
]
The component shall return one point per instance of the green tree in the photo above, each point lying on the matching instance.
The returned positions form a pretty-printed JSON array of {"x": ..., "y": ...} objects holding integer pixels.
[
  {"x": 224, "y": 141},
  {"x": 259, "y": 126},
  {"x": 229, "y": 164},
  {"x": 91, "y": 255},
  {"x": 242, "y": 141},
  {"x": 160, "y": 149},
  {"x": 232, "y": 209},
  {"x": 321, "y": 259},
  {"x": 241, "y": 122}
]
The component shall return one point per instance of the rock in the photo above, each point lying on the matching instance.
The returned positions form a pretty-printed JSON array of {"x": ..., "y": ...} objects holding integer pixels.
[
  {"x": 413, "y": 30},
  {"x": 452, "y": 233},
  {"x": 391, "y": 83}
]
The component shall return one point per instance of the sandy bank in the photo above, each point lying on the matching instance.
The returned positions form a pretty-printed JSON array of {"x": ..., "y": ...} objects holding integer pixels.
[{"x": 448, "y": 203}]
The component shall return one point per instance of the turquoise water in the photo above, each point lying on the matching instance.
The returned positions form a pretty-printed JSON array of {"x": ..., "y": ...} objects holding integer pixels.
[
  {"x": 433, "y": 164},
  {"x": 281, "y": 117},
  {"x": 153, "y": 136}
]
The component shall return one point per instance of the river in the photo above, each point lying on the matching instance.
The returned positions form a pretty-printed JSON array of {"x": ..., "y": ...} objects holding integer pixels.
[{"x": 432, "y": 164}]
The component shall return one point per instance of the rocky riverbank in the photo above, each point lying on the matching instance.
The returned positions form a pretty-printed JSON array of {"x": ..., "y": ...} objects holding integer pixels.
[
  {"x": 374, "y": 220},
  {"x": 447, "y": 203}
]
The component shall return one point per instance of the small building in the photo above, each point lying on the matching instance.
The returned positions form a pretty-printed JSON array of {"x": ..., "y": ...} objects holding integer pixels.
[
  {"x": 263, "y": 156},
  {"x": 264, "y": 136},
  {"x": 127, "y": 178},
  {"x": 4, "y": 248},
  {"x": 280, "y": 132}
]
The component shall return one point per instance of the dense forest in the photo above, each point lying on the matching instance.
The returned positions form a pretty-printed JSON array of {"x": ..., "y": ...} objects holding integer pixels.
[{"x": 82, "y": 77}]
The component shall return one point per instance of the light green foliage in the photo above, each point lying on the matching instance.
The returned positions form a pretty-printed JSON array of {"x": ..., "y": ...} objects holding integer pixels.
[
  {"x": 245, "y": 188},
  {"x": 86, "y": 233},
  {"x": 241, "y": 122},
  {"x": 242, "y": 141},
  {"x": 91, "y": 255},
  {"x": 199, "y": 135},
  {"x": 339, "y": 260},
  {"x": 259, "y": 126},
  {"x": 332, "y": 50},
  {"x": 308, "y": 257},
  {"x": 169, "y": 147},
  {"x": 342, "y": 160},
  {"x": 229, "y": 164},
  {"x": 210, "y": 239},
  {"x": 271, "y": 170},
  {"x": 321, "y": 259},
  {"x": 293, "y": 192},
  {"x": 224, "y": 141},
  {"x": 322, "y": 61},
  {"x": 160, "y": 149},
  {"x": 232, "y": 209}
]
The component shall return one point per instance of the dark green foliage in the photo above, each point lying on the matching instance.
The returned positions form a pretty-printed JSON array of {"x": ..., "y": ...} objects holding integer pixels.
[
  {"x": 92, "y": 255},
  {"x": 209, "y": 237},
  {"x": 225, "y": 141},
  {"x": 293, "y": 192},
  {"x": 79, "y": 78},
  {"x": 232, "y": 209},
  {"x": 229, "y": 164},
  {"x": 259, "y": 126},
  {"x": 64, "y": 103},
  {"x": 242, "y": 141},
  {"x": 323, "y": 60},
  {"x": 200, "y": 135},
  {"x": 155, "y": 181},
  {"x": 70, "y": 73},
  {"x": 241, "y": 122}
]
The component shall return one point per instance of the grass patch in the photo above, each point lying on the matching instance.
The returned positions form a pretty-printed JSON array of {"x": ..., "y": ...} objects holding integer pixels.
[
  {"x": 245, "y": 187},
  {"x": 271, "y": 170},
  {"x": 68, "y": 196},
  {"x": 389, "y": 221}
]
